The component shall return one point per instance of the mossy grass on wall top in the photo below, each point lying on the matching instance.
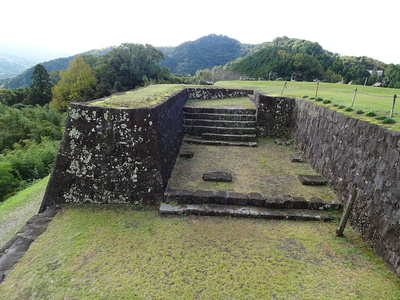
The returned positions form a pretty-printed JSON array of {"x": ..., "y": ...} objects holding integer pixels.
[{"x": 143, "y": 97}]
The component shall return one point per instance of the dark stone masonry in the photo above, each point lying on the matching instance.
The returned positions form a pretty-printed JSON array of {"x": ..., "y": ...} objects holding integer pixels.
[{"x": 111, "y": 155}]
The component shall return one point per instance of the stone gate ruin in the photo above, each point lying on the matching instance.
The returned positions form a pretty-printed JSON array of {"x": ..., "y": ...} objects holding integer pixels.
[{"x": 118, "y": 155}]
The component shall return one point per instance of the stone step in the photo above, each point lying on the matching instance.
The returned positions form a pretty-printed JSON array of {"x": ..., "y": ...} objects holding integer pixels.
[
  {"x": 218, "y": 110},
  {"x": 187, "y": 196},
  {"x": 219, "y": 123},
  {"x": 199, "y": 141},
  {"x": 247, "y": 212},
  {"x": 213, "y": 116},
  {"x": 229, "y": 137},
  {"x": 199, "y": 130}
]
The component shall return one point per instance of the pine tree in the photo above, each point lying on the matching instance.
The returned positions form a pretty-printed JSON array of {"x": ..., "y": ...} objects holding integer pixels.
[{"x": 40, "y": 88}]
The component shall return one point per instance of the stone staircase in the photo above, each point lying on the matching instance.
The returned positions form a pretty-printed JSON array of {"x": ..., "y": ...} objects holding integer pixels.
[
  {"x": 220, "y": 126},
  {"x": 253, "y": 205}
]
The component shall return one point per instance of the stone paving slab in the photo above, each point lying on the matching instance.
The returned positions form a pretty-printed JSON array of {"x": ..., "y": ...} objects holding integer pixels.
[
  {"x": 187, "y": 196},
  {"x": 246, "y": 212}
]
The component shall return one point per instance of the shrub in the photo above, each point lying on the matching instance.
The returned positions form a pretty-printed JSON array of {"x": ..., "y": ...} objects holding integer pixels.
[
  {"x": 305, "y": 97},
  {"x": 388, "y": 121},
  {"x": 312, "y": 98},
  {"x": 380, "y": 118},
  {"x": 319, "y": 99},
  {"x": 8, "y": 183},
  {"x": 341, "y": 106},
  {"x": 359, "y": 112},
  {"x": 327, "y": 101},
  {"x": 335, "y": 105},
  {"x": 371, "y": 114},
  {"x": 349, "y": 109}
]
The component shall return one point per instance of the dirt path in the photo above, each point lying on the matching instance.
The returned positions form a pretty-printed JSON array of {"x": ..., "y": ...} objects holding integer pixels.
[{"x": 15, "y": 211}]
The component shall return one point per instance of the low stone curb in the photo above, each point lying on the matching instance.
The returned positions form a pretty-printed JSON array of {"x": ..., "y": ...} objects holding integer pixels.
[
  {"x": 18, "y": 245},
  {"x": 187, "y": 196},
  {"x": 247, "y": 212}
]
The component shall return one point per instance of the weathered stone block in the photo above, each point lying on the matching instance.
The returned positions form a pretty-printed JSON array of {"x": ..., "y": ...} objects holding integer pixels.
[
  {"x": 217, "y": 177},
  {"x": 312, "y": 179}
]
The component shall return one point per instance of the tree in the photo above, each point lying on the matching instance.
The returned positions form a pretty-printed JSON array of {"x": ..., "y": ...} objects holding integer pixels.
[
  {"x": 76, "y": 83},
  {"x": 40, "y": 88},
  {"x": 133, "y": 65}
]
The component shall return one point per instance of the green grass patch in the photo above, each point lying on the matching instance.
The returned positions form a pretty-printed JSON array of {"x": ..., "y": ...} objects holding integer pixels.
[
  {"x": 368, "y": 98},
  {"x": 143, "y": 97},
  {"x": 239, "y": 102},
  {"x": 93, "y": 252},
  {"x": 16, "y": 210},
  {"x": 265, "y": 169}
]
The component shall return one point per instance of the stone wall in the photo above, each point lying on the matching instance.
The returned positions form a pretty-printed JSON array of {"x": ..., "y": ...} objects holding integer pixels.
[
  {"x": 114, "y": 155},
  {"x": 354, "y": 154},
  {"x": 350, "y": 154},
  {"x": 274, "y": 116}
]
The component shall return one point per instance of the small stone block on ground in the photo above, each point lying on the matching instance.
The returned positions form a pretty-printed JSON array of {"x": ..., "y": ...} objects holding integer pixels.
[
  {"x": 312, "y": 179},
  {"x": 217, "y": 177},
  {"x": 297, "y": 159},
  {"x": 186, "y": 154}
]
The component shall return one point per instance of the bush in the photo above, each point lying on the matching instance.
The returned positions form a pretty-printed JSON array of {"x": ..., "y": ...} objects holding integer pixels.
[
  {"x": 8, "y": 183},
  {"x": 327, "y": 101},
  {"x": 305, "y": 97},
  {"x": 319, "y": 99},
  {"x": 380, "y": 118},
  {"x": 389, "y": 121},
  {"x": 335, "y": 105},
  {"x": 359, "y": 112},
  {"x": 32, "y": 160},
  {"x": 341, "y": 106},
  {"x": 371, "y": 114},
  {"x": 349, "y": 109}
]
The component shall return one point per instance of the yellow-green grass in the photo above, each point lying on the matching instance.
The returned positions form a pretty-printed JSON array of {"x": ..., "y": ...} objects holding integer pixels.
[
  {"x": 368, "y": 99},
  {"x": 16, "y": 210},
  {"x": 266, "y": 169},
  {"x": 240, "y": 102},
  {"x": 143, "y": 97},
  {"x": 93, "y": 252}
]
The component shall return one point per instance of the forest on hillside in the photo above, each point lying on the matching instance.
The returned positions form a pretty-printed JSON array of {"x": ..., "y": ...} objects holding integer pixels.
[{"x": 301, "y": 60}]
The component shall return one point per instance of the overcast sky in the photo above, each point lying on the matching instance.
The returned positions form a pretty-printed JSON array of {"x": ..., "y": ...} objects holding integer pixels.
[{"x": 347, "y": 27}]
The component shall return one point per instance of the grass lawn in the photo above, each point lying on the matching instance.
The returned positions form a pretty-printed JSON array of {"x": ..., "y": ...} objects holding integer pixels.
[
  {"x": 265, "y": 169},
  {"x": 105, "y": 252},
  {"x": 147, "y": 96},
  {"x": 16, "y": 210},
  {"x": 368, "y": 99},
  {"x": 240, "y": 102}
]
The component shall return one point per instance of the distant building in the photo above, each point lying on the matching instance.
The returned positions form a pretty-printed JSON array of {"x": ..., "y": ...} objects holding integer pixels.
[{"x": 378, "y": 72}]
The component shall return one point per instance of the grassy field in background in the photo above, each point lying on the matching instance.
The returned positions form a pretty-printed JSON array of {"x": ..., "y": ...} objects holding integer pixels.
[
  {"x": 16, "y": 210},
  {"x": 105, "y": 252},
  {"x": 368, "y": 99}
]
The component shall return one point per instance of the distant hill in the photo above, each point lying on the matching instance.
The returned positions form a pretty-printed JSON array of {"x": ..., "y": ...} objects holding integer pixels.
[
  {"x": 17, "y": 57},
  {"x": 204, "y": 53},
  {"x": 24, "y": 78}
]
